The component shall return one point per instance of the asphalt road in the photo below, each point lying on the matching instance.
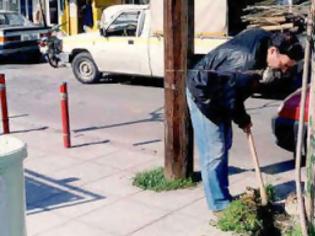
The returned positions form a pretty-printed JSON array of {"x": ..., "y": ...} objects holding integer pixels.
[{"x": 128, "y": 112}]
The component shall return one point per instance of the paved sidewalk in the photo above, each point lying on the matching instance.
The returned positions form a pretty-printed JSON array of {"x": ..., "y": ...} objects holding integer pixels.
[{"x": 87, "y": 190}]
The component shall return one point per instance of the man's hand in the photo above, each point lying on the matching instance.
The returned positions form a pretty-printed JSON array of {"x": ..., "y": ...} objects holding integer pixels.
[{"x": 247, "y": 128}]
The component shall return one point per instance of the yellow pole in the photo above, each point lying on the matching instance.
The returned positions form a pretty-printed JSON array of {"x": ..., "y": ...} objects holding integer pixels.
[
  {"x": 65, "y": 18},
  {"x": 73, "y": 17},
  {"x": 95, "y": 15}
]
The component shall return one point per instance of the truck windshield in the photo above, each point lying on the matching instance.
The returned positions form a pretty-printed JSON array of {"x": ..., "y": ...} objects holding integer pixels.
[
  {"x": 13, "y": 19},
  {"x": 125, "y": 24}
]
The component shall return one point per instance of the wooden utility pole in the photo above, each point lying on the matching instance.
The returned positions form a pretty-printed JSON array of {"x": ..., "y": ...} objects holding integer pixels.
[{"x": 179, "y": 48}]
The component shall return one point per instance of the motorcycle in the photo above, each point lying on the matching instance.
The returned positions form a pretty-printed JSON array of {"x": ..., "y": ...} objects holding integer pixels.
[{"x": 51, "y": 46}]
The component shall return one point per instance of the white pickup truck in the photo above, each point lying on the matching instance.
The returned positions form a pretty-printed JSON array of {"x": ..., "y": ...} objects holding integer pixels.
[{"x": 128, "y": 42}]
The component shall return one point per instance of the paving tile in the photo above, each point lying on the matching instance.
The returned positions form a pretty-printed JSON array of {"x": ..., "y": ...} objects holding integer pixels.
[
  {"x": 119, "y": 184},
  {"x": 77, "y": 208},
  {"x": 86, "y": 172},
  {"x": 124, "y": 159},
  {"x": 238, "y": 187},
  {"x": 84, "y": 147},
  {"x": 152, "y": 164},
  {"x": 178, "y": 225},
  {"x": 32, "y": 153},
  {"x": 50, "y": 163},
  {"x": 89, "y": 149},
  {"x": 122, "y": 217},
  {"x": 197, "y": 209},
  {"x": 170, "y": 200},
  {"x": 43, "y": 221},
  {"x": 76, "y": 229},
  {"x": 207, "y": 230},
  {"x": 233, "y": 179}
]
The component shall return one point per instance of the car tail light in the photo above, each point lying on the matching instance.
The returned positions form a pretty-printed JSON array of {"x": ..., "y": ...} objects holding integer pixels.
[
  {"x": 5, "y": 39},
  {"x": 290, "y": 108}
]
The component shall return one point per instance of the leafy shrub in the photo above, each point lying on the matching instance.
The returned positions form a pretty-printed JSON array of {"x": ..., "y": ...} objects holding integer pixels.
[{"x": 240, "y": 218}]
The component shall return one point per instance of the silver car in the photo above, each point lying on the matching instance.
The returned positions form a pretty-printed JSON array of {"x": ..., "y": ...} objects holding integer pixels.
[{"x": 19, "y": 35}]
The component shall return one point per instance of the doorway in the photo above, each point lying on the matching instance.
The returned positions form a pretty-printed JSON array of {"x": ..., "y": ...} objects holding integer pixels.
[{"x": 53, "y": 12}]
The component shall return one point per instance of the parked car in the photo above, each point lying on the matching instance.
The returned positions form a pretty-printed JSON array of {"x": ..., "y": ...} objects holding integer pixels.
[
  {"x": 285, "y": 124},
  {"x": 19, "y": 35}
]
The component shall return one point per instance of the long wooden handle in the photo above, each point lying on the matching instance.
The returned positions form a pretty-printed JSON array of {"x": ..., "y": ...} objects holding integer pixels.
[{"x": 263, "y": 194}]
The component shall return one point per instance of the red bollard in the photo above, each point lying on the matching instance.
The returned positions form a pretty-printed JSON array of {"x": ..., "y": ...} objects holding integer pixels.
[
  {"x": 4, "y": 106},
  {"x": 65, "y": 115}
]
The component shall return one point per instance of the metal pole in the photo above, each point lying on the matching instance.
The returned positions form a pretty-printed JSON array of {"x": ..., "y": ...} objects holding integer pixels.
[
  {"x": 178, "y": 137},
  {"x": 309, "y": 184},
  {"x": 299, "y": 193},
  {"x": 4, "y": 105},
  {"x": 310, "y": 165},
  {"x": 65, "y": 115}
]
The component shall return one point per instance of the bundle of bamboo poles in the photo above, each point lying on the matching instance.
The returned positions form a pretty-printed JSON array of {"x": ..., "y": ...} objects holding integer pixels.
[{"x": 276, "y": 17}]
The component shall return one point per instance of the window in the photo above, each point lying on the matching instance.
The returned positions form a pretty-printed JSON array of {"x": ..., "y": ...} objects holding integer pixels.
[
  {"x": 13, "y": 19},
  {"x": 125, "y": 25},
  {"x": 9, "y": 5},
  {"x": 53, "y": 11}
]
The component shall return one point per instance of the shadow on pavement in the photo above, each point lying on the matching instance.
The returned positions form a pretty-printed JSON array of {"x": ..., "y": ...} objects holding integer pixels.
[
  {"x": 284, "y": 189},
  {"x": 147, "y": 142},
  {"x": 155, "y": 116},
  {"x": 44, "y": 193},
  {"x": 133, "y": 80},
  {"x": 279, "y": 167},
  {"x": 90, "y": 144},
  {"x": 232, "y": 171},
  {"x": 18, "y": 116},
  {"x": 29, "y": 130},
  {"x": 21, "y": 59}
]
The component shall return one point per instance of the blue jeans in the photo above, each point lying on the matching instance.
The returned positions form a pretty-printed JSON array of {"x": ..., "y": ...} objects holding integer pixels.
[{"x": 213, "y": 141}]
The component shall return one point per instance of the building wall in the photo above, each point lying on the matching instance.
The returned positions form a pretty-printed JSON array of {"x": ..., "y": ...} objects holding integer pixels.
[
  {"x": 67, "y": 13},
  {"x": 70, "y": 17},
  {"x": 9, "y": 5},
  {"x": 99, "y": 6},
  {"x": 137, "y": 1}
]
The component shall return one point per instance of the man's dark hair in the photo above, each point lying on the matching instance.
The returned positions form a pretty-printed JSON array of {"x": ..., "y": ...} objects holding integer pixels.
[{"x": 287, "y": 43}]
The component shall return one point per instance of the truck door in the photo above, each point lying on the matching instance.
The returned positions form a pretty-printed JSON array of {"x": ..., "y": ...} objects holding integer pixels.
[{"x": 124, "y": 48}]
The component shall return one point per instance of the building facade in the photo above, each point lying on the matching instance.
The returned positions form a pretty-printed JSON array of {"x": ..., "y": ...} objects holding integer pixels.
[{"x": 60, "y": 12}]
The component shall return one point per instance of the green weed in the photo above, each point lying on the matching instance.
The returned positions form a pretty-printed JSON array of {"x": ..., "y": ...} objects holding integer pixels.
[
  {"x": 156, "y": 181},
  {"x": 240, "y": 218},
  {"x": 271, "y": 193}
]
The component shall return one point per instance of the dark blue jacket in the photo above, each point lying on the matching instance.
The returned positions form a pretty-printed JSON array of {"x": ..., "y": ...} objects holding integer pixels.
[{"x": 220, "y": 94}]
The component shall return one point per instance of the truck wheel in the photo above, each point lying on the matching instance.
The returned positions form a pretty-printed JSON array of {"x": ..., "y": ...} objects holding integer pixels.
[{"x": 85, "y": 69}]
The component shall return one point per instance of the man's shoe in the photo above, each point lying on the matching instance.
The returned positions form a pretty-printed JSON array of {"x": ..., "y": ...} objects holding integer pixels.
[{"x": 216, "y": 216}]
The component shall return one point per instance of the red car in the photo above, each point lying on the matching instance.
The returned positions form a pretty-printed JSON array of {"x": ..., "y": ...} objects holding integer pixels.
[{"x": 285, "y": 125}]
